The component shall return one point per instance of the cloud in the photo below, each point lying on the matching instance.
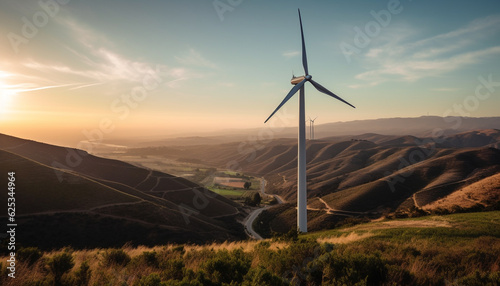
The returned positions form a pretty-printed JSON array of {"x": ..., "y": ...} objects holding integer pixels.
[
  {"x": 85, "y": 59},
  {"x": 406, "y": 60},
  {"x": 291, "y": 54},
  {"x": 194, "y": 58},
  {"x": 446, "y": 89},
  {"x": 481, "y": 26}
]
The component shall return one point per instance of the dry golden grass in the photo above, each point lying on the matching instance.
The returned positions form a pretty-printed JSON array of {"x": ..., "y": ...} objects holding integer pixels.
[
  {"x": 422, "y": 223},
  {"x": 420, "y": 256},
  {"x": 247, "y": 246},
  {"x": 345, "y": 238},
  {"x": 481, "y": 192},
  {"x": 435, "y": 222}
]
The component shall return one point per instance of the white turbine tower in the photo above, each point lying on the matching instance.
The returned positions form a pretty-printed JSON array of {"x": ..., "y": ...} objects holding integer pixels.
[{"x": 299, "y": 83}]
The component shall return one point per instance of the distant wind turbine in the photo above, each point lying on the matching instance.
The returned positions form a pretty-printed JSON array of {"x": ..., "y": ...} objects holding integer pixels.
[
  {"x": 299, "y": 83},
  {"x": 311, "y": 128}
]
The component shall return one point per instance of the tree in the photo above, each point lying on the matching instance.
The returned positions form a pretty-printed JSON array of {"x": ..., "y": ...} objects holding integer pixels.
[
  {"x": 273, "y": 201},
  {"x": 256, "y": 199},
  {"x": 247, "y": 185},
  {"x": 253, "y": 200}
]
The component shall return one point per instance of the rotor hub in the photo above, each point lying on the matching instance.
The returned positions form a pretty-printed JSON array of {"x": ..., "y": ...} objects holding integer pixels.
[{"x": 308, "y": 77}]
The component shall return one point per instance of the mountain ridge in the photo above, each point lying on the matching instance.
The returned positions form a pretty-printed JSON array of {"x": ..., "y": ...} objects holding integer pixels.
[{"x": 105, "y": 192}]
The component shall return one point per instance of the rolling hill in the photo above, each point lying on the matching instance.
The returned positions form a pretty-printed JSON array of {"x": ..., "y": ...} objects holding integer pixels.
[
  {"x": 363, "y": 174},
  {"x": 68, "y": 197}
]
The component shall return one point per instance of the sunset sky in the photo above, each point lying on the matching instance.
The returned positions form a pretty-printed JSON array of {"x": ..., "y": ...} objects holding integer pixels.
[{"x": 161, "y": 68}]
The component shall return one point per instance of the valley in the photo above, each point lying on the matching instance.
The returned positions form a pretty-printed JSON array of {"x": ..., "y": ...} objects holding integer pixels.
[
  {"x": 186, "y": 201},
  {"x": 364, "y": 176},
  {"x": 188, "y": 188}
]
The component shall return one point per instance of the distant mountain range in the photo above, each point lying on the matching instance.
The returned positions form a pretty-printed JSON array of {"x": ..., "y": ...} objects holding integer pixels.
[
  {"x": 424, "y": 126},
  {"x": 66, "y": 196}
]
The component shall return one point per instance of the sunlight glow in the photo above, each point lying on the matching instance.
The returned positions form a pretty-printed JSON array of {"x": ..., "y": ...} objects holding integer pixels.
[{"x": 6, "y": 97}]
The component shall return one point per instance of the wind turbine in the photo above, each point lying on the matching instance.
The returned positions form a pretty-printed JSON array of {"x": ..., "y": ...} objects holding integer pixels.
[
  {"x": 299, "y": 83},
  {"x": 311, "y": 128}
]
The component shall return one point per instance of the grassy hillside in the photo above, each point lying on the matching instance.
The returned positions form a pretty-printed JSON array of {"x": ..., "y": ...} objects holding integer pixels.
[
  {"x": 96, "y": 202},
  {"x": 39, "y": 191},
  {"x": 458, "y": 249}
]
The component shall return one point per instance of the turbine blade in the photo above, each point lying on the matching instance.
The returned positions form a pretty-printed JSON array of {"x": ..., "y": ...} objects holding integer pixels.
[
  {"x": 288, "y": 96},
  {"x": 322, "y": 89},
  {"x": 304, "y": 55}
]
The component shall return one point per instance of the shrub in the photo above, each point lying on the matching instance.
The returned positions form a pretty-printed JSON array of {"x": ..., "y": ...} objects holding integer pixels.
[
  {"x": 479, "y": 279},
  {"x": 150, "y": 258},
  {"x": 152, "y": 279},
  {"x": 400, "y": 276},
  {"x": 347, "y": 269},
  {"x": 172, "y": 269},
  {"x": 116, "y": 256},
  {"x": 3, "y": 273},
  {"x": 290, "y": 261},
  {"x": 83, "y": 274},
  {"x": 178, "y": 248},
  {"x": 227, "y": 267},
  {"x": 291, "y": 235},
  {"x": 29, "y": 255},
  {"x": 254, "y": 200},
  {"x": 59, "y": 264},
  {"x": 262, "y": 277}
]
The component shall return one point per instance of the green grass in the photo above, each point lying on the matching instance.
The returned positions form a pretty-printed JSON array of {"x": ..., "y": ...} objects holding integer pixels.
[
  {"x": 464, "y": 226},
  {"x": 227, "y": 193}
]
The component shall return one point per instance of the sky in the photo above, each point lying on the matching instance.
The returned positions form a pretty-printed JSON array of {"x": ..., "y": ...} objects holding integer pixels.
[{"x": 74, "y": 70}]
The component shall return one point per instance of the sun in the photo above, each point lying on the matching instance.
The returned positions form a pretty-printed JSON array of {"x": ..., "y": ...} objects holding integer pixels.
[{"x": 6, "y": 98}]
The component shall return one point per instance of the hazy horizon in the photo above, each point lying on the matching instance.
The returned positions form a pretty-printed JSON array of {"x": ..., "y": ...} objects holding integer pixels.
[{"x": 180, "y": 68}]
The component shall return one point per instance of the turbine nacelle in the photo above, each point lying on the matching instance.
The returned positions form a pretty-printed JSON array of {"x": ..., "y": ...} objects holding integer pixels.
[{"x": 297, "y": 79}]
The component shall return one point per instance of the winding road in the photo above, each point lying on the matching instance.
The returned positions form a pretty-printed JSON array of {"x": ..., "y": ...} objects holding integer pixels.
[
  {"x": 249, "y": 221},
  {"x": 255, "y": 213}
]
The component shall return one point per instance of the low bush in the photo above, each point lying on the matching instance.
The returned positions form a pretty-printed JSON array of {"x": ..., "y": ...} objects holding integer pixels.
[
  {"x": 30, "y": 255},
  {"x": 60, "y": 264},
  {"x": 227, "y": 266},
  {"x": 115, "y": 256},
  {"x": 337, "y": 268},
  {"x": 83, "y": 274}
]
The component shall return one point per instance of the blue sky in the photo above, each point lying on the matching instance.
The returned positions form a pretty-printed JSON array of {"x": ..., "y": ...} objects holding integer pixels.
[{"x": 169, "y": 67}]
